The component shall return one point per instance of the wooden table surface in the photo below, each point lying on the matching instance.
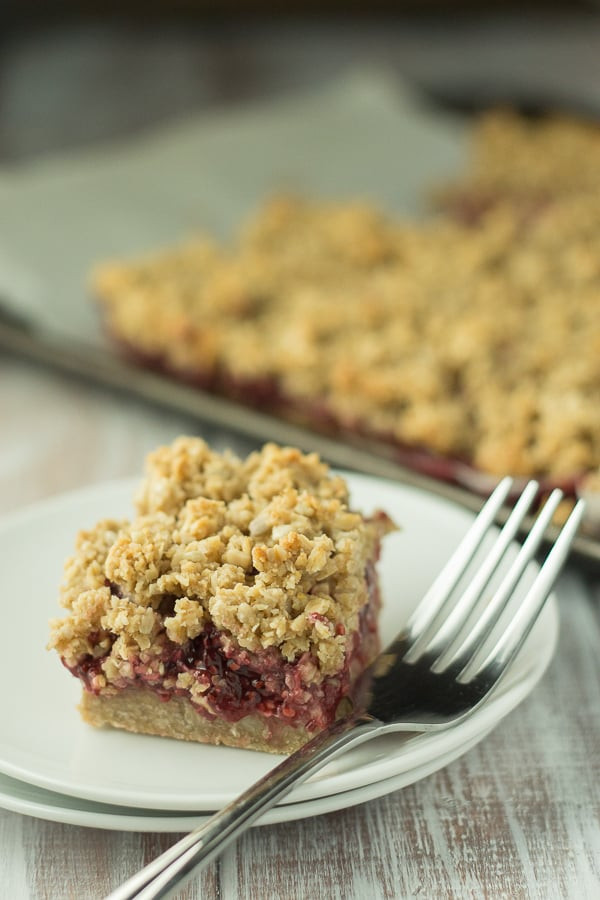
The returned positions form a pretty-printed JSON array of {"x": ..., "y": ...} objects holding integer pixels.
[{"x": 518, "y": 816}]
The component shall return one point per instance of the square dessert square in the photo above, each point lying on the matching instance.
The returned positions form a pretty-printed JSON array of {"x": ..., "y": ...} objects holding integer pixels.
[{"x": 238, "y": 607}]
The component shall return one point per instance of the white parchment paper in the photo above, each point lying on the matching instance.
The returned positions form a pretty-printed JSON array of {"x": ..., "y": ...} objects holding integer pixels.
[{"x": 365, "y": 136}]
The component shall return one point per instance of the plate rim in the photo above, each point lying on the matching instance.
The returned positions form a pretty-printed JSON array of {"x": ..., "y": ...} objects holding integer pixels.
[{"x": 173, "y": 821}]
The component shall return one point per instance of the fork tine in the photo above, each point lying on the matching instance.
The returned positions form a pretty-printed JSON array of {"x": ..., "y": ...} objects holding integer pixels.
[
  {"x": 511, "y": 641},
  {"x": 466, "y": 645},
  {"x": 445, "y": 635},
  {"x": 448, "y": 578}
]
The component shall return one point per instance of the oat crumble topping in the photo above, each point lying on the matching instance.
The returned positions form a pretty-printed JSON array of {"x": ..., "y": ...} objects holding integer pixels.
[
  {"x": 265, "y": 549},
  {"x": 538, "y": 159}
]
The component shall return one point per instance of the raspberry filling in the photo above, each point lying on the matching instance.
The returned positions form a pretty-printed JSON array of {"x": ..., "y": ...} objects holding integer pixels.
[
  {"x": 265, "y": 393},
  {"x": 230, "y": 682}
]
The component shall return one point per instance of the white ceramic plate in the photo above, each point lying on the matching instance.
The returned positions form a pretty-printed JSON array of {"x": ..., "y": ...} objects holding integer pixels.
[
  {"x": 44, "y": 742},
  {"x": 30, "y": 800}
]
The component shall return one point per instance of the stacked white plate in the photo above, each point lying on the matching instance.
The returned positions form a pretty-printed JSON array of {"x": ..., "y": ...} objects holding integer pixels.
[{"x": 56, "y": 767}]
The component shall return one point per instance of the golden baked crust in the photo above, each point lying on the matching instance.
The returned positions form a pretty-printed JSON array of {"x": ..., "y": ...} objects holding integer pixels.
[
  {"x": 478, "y": 344},
  {"x": 143, "y": 712}
]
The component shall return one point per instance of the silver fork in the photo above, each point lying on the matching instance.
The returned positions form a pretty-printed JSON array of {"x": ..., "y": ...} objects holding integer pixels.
[{"x": 441, "y": 667}]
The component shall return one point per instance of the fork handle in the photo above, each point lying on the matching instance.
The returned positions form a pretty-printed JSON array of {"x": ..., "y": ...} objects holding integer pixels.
[{"x": 199, "y": 847}]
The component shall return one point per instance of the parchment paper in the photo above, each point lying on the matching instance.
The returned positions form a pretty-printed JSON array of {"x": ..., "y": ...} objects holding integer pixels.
[{"x": 364, "y": 136}]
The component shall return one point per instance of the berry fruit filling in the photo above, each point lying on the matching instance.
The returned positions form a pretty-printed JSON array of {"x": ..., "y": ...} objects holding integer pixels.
[{"x": 225, "y": 681}]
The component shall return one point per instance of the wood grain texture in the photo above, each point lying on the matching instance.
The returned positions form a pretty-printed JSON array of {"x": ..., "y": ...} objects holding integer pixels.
[{"x": 517, "y": 817}]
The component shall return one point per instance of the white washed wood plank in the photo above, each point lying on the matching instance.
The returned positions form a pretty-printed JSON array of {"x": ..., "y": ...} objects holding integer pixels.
[
  {"x": 66, "y": 862},
  {"x": 59, "y": 434},
  {"x": 14, "y": 880}
]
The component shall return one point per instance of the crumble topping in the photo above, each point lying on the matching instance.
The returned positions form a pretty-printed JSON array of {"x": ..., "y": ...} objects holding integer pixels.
[
  {"x": 264, "y": 549},
  {"x": 429, "y": 334},
  {"x": 527, "y": 161}
]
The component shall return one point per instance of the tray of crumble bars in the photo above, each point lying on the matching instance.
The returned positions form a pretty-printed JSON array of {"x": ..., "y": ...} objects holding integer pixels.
[
  {"x": 463, "y": 347},
  {"x": 445, "y": 351}
]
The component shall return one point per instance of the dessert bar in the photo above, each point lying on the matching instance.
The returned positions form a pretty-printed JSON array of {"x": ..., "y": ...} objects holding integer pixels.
[{"x": 237, "y": 607}]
